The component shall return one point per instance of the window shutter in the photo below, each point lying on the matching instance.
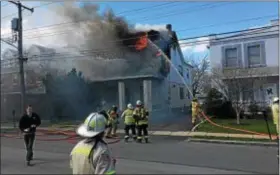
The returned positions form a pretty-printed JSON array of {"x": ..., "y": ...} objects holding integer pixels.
[
  {"x": 263, "y": 54},
  {"x": 246, "y": 58},
  {"x": 224, "y": 57},
  {"x": 239, "y": 56}
]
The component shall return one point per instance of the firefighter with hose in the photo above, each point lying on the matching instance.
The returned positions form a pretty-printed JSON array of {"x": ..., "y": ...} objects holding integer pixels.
[
  {"x": 92, "y": 155},
  {"x": 195, "y": 111},
  {"x": 112, "y": 122},
  {"x": 141, "y": 115},
  {"x": 129, "y": 122}
]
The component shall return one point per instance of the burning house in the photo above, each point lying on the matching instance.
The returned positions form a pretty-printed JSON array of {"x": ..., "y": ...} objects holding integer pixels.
[{"x": 138, "y": 65}]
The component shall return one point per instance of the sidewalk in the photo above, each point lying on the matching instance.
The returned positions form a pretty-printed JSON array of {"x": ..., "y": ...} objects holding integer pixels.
[{"x": 180, "y": 133}]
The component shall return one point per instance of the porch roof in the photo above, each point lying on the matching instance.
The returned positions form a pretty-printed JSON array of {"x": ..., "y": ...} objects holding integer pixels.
[
  {"x": 250, "y": 72},
  {"x": 128, "y": 77}
]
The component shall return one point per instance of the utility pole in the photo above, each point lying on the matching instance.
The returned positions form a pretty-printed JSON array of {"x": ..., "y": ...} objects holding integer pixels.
[{"x": 21, "y": 58}]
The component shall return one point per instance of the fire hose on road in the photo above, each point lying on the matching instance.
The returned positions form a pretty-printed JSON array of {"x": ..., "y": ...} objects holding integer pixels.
[{"x": 70, "y": 136}]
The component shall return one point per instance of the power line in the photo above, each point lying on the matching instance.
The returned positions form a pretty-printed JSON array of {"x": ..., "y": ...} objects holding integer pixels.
[
  {"x": 145, "y": 8},
  {"x": 178, "y": 31},
  {"x": 89, "y": 52},
  {"x": 65, "y": 32},
  {"x": 252, "y": 32},
  {"x": 75, "y": 22},
  {"x": 232, "y": 32},
  {"x": 200, "y": 7},
  {"x": 212, "y": 25}
]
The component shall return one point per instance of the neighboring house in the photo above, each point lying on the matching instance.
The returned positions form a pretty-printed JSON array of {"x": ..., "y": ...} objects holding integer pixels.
[
  {"x": 250, "y": 55},
  {"x": 162, "y": 83}
]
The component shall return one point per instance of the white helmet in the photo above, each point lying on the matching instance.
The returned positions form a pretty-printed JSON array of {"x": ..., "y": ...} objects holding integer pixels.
[
  {"x": 129, "y": 106},
  {"x": 138, "y": 102},
  {"x": 94, "y": 124},
  {"x": 275, "y": 99}
]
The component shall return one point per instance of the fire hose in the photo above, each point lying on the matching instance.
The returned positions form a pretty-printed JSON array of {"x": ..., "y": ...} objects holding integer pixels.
[
  {"x": 236, "y": 129},
  {"x": 70, "y": 136}
]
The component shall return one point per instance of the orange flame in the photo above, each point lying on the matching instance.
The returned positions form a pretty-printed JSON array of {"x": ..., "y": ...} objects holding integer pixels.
[{"x": 142, "y": 42}]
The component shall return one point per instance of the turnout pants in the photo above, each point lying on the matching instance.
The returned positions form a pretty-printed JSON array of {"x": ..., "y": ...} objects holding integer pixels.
[
  {"x": 29, "y": 142},
  {"x": 142, "y": 129},
  {"x": 131, "y": 127},
  {"x": 112, "y": 129}
]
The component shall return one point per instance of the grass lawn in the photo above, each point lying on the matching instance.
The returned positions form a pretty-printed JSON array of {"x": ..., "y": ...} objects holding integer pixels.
[
  {"x": 233, "y": 139},
  {"x": 248, "y": 124}
]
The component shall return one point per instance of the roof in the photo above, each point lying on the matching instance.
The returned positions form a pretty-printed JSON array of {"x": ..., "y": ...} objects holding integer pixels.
[{"x": 106, "y": 65}]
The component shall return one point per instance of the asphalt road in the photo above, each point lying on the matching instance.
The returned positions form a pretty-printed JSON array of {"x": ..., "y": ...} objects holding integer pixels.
[{"x": 165, "y": 155}]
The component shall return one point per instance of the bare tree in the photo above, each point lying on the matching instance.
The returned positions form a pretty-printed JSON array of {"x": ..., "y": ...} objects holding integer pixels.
[
  {"x": 200, "y": 77},
  {"x": 237, "y": 85}
]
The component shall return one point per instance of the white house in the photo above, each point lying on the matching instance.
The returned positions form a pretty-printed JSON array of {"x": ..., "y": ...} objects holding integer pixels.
[
  {"x": 162, "y": 83},
  {"x": 250, "y": 55}
]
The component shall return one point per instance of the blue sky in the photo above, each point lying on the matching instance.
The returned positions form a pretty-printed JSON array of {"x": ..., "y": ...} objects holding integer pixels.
[{"x": 183, "y": 16}]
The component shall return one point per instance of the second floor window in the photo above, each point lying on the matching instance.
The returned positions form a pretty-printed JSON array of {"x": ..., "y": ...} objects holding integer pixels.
[
  {"x": 181, "y": 93},
  {"x": 254, "y": 55},
  {"x": 231, "y": 57}
]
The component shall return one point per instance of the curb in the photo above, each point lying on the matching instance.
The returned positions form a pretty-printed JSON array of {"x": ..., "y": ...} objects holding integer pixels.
[{"x": 268, "y": 144}]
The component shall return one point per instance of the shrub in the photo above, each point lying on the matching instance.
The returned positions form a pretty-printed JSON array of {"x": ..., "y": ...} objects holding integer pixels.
[{"x": 215, "y": 105}]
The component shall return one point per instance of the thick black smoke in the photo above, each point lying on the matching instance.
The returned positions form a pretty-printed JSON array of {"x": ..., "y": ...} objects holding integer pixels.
[{"x": 100, "y": 30}]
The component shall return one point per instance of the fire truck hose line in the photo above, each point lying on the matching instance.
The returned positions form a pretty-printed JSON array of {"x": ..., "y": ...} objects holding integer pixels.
[
  {"x": 70, "y": 136},
  {"x": 236, "y": 129}
]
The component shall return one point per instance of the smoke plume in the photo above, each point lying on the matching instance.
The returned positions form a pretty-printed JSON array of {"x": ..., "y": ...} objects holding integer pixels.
[{"x": 106, "y": 40}]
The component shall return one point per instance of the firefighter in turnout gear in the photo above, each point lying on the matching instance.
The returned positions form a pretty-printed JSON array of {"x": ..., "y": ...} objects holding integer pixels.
[
  {"x": 141, "y": 115},
  {"x": 112, "y": 122},
  {"x": 92, "y": 155},
  {"x": 195, "y": 111},
  {"x": 129, "y": 122},
  {"x": 275, "y": 113}
]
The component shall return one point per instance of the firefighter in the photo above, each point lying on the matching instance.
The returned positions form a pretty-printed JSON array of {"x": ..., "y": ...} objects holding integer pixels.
[
  {"x": 141, "y": 115},
  {"x": 129, "y": 122},
  {"x": 275, "y": 113},
  {"x": 112, "y": 122},
  {"x": 92, "y": 155},
  {"x": 195, "y": 111}
]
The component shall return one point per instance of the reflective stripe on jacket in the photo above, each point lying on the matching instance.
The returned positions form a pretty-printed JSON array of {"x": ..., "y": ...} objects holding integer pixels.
[
  {"x": 141, "y": 114},
  {"x": 275, "y": 113},
  {"x": 128, "y": 117},
  {"x": 84, "y": 160}
]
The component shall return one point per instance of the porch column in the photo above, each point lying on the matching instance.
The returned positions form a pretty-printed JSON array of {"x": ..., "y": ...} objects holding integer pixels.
[
  {"x": 121, "y": 94},
  {"x": 147, "y": 92}
]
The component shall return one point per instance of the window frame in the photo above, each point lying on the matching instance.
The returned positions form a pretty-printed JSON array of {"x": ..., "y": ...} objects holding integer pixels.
[
  {"x": 261, "y": 44},
  {"x": 239, "y": 56},
  {"x": 227, "y": 58}
]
